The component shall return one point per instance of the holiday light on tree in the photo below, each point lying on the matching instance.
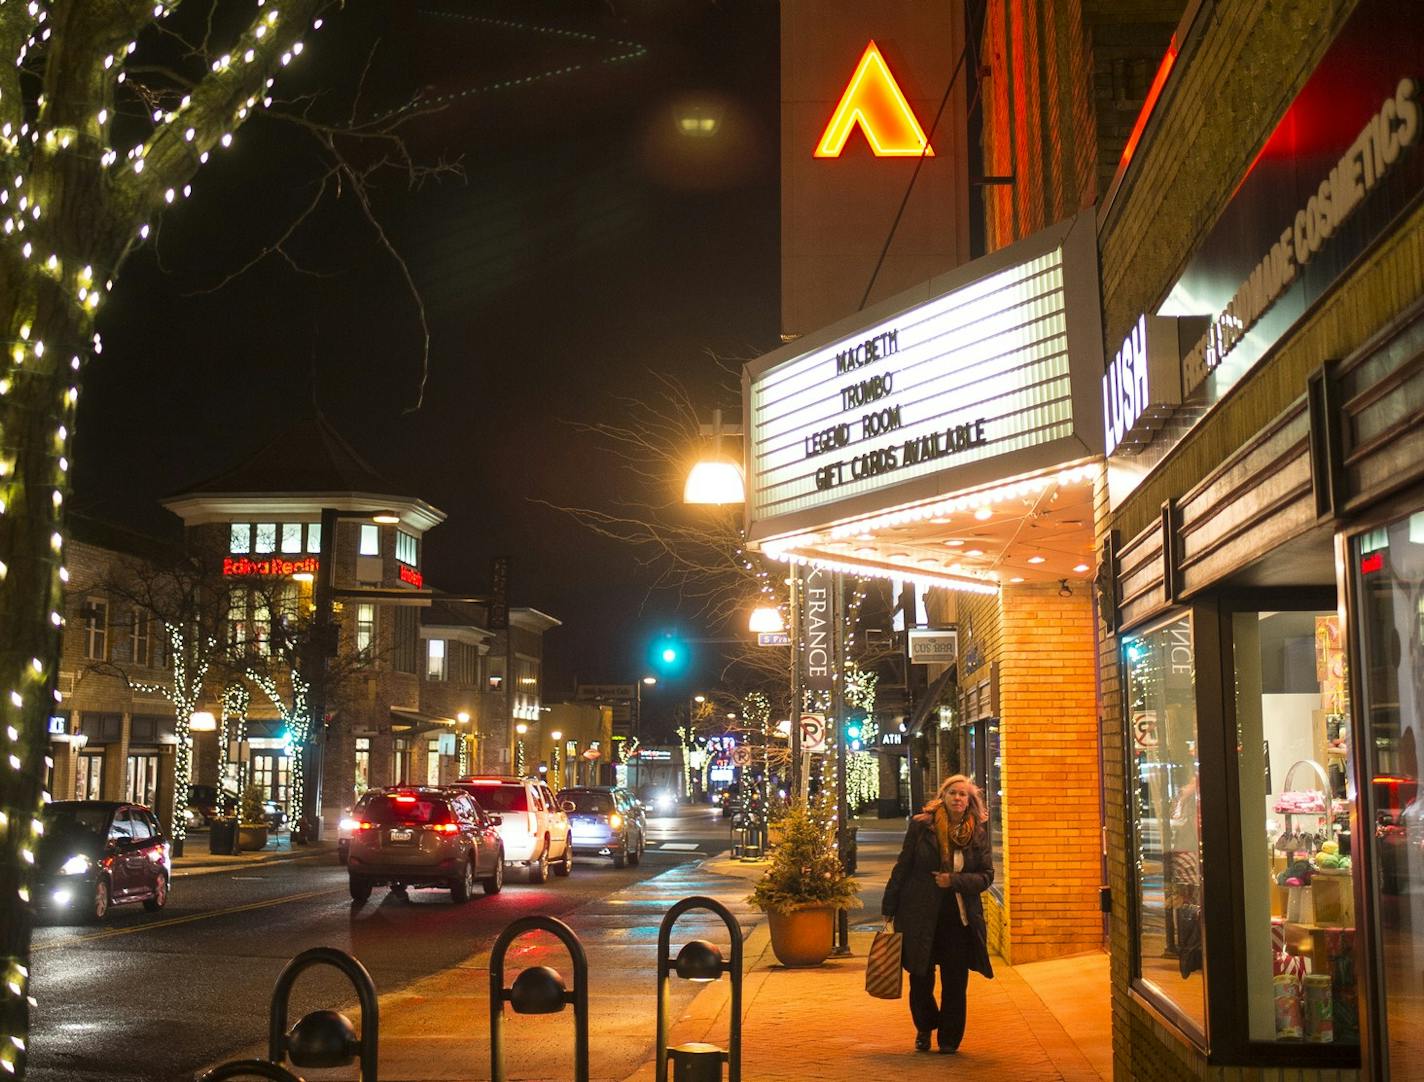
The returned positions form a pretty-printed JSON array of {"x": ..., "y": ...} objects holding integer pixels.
[{"x": 83, "y": 172}]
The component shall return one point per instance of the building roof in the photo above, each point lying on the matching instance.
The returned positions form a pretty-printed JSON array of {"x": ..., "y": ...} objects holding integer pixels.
[{"x": 311, "y": 456}]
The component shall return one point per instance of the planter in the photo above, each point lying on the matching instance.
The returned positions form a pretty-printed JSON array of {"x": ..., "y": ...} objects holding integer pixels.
[
  {"x": 803, "y": 937},
  {"x": 252, "y": 836}
]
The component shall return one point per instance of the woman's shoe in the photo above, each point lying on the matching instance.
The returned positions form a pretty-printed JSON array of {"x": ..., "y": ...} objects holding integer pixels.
[{"x": 922, "y": 1041}]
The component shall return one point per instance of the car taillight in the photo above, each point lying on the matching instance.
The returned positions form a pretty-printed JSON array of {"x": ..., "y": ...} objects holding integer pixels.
[
  {"x": 349, "y": 825},
  {"x": 532, "y": 820},
  {"x": 443, "y": 828},
  {"x": 404, "y": 798},
  {"x": 363, "y": 825},
  {"x": 615, "y": 820}
]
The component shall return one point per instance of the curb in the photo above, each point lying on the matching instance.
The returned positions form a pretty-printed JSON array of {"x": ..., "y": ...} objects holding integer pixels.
[{"x": 183, "y": 871}]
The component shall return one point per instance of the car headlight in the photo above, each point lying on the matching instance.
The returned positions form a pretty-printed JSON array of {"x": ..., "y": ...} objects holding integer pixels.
[
  {"x": 75, "y": 865},
  {"x": 349, "y": 826}
]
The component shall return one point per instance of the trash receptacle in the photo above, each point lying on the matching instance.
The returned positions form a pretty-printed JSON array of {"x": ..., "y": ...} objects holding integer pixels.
[{"x": 222, "y": 837}]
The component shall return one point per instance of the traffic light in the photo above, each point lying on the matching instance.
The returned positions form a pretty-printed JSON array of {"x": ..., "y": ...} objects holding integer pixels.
[
  {"x": 854, "y": 729},
  {"x": 668, "y": 655}
]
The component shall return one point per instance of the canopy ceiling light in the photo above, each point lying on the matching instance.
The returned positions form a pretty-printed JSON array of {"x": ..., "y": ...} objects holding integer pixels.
[{"x": 203, "y": 721}]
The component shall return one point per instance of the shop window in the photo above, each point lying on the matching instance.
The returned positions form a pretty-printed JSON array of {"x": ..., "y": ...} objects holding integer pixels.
[
  {"x": 1388, "y": 589},
  {"x": 406, "y": 551},
  {"x": 291, "y": 537},
  {"x": 400, "y": 760},
  {"x": 370, "y": 539},
  {"x": 264, "y": 537},
  {"x": 141, "y": 639},
  {"x": 240, "y": 537},
  {"x": 141, "y": 779},
  {"x": 403, "y": 654},
  {"x": 1165, "y": 843},
  {"x": 363, "y": 764},
  {"x": 432, "y": 762},
  {"x": 1293, "y": 740},
  {"x": 96, "y": 629},
  {"x": 435, "y": 659},
  {"x": 89, "y": 776},
  {"x": 365, "y": 630},
  {"x": 313, "y": 536}
]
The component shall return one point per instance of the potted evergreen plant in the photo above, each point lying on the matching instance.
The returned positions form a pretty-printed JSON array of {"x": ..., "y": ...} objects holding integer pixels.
[
  {"x": 804, "y": 887},
  {"x": 252, "y": 830}
]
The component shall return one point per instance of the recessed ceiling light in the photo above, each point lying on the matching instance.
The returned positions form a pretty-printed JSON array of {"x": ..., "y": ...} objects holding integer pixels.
[
  {"x": 974, "y": 552},
  {"x": 1016, "y": 578},
  {"x": 866, "y": 552},
  {"x": 954, "y": 542},
  {"x": 1035, "y": 559},
  {"x": 983, "y": 514},
  {"x": 940, "y": 521},
  {"x": 866, "y": 537},
  {"x": 1080, "y": 568}
]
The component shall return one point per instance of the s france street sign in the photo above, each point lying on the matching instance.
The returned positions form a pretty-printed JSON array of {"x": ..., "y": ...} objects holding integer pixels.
[{"x": 773, "y": 638}]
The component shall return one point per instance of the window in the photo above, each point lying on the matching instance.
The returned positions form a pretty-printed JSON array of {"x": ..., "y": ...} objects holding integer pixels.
[
  {"x": 265, "y": 537},
  {"x": 365, "y": 629},
  {"x": 120, "y": 827},
  {"x": 406, "y": 551},
  {"x": 141, "y": 642},
  {"x": 495, "y": 676},
  {"x": 291, "y": 537},
  {"x": 1387, "y": 580},
  {"x": 370, "y": 539},
  {"x": 138, "y": 825},
  {"x": 1293, "y": 740},
  {"x": 313, "y": 536},
  {"x": 237, "y": 629},
  {"x": 464, "y": 664},
  {"x": 363, "y": 764},
  {"x": 141, "y": 779},
  {"x": 432, "y": 762},
  {"x": 1165, "y": 844},
  {"x": 435, "y": 659},
  {"x": 240, "y": 537},
  {"x": 403, "y": 655},
  {"x": 89, "y": 776},
  {"x": 400, "y": 760},
  {"x": 96, "y": 629}
]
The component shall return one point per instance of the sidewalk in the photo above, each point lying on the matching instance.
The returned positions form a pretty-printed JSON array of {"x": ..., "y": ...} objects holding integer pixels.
[
  {"x": 196, "y": 860},
  {"x": 1043, "y": 1021}
]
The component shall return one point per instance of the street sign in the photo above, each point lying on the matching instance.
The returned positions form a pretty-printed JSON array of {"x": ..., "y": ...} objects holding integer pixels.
[
  {"x": 933, "y": 645},
  {"x": 813, "y": 733},
  {"x": 773, "y": 638},
  {"x": 741, "y": 755}
]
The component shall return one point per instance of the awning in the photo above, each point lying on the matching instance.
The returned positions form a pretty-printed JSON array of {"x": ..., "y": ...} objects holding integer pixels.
[
  {"x": 404, "y": 720},
  {"x": 930, "y": 700}
]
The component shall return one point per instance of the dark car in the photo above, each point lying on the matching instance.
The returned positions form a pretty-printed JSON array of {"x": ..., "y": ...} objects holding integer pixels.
[
  {"x": 727, "y": 801},
  {"x": 605, "y": 823},
  {"x": 94, "y": 854},
  {"x": 421, "y": 836},
  {"x": 204, "y": 805}
]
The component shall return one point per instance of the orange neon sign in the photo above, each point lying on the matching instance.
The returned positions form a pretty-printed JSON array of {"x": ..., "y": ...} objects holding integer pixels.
[{"x": 873, "y": 100}]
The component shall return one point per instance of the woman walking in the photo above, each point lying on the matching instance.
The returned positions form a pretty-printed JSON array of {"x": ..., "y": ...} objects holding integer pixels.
[{"x": 934, "y": 898}]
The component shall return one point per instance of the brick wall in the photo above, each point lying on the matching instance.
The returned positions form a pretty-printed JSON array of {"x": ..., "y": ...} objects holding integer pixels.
[{"x": 1048, "y": 707}]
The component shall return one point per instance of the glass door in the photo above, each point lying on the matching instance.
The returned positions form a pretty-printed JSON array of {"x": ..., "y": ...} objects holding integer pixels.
[
  {"x": 142, "y": 779},
  {"x": 89, "y": 776},
  {"x": 1387, "y": 566}
]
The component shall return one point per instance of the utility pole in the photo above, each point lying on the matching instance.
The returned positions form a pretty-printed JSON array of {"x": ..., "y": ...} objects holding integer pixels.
[{"x": 842, "y": 751}]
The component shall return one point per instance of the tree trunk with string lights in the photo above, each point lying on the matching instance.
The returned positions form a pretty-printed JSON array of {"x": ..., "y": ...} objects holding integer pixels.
[{"x": 89, "y": 157}]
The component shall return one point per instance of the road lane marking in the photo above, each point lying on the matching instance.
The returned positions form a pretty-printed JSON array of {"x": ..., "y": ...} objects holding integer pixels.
[
  {"x": 680, "y": 847},
  {"x": 190, "y": 918}
]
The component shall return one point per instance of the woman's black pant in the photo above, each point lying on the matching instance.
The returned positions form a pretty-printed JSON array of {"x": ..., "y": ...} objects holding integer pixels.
[{"x": 951, "y": 957}]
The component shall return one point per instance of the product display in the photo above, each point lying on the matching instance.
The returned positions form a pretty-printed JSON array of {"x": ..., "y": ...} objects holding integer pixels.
[
  {"x": 1290, "y": 1024},
  {"x": 1319, "y": 1008}
]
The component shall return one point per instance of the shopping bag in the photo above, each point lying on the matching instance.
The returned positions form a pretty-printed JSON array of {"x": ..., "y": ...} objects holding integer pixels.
[{"x": 882, "y": 965}]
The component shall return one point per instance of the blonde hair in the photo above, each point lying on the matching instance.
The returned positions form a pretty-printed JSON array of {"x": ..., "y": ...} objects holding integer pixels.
[{"x": 977, "y": 809}]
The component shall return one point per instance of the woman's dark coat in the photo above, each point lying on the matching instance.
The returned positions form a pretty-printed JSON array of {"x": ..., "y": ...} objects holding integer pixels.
[{"x": 914, "y": 899}]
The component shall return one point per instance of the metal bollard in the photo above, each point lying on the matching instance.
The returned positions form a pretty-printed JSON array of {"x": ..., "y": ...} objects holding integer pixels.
[
  {"x": 699, "y": 960},
  {"x": 538, "y": 990},
  {"x": 325, "y": 1038}
]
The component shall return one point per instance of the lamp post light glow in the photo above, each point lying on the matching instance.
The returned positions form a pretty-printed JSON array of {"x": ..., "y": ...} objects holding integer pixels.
[
  {"x": 202, "y": 721},
  {"x": 765, "y": 619},
  {"x": 716, "y": 479}
]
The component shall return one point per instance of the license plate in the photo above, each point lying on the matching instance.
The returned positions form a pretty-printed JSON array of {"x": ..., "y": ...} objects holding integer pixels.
[{"x": 402, "y": 835}]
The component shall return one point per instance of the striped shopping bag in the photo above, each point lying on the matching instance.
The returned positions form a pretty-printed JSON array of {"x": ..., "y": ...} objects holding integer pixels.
[{"x": 882, "y": 965}]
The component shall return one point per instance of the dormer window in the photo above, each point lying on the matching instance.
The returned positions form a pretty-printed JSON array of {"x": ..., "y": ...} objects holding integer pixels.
[{"x": 407, "y": 551}]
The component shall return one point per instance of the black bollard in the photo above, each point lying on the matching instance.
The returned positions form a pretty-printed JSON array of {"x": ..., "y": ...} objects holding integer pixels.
[
  {"x": 538, "y": 990},
  {"x": 699, "y": 960}
]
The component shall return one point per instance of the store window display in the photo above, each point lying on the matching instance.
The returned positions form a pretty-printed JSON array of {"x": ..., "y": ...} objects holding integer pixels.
[
  {"x": 1387, "y": 568},
  {"x": 1162, "y": 724},
  {"x": 1293, "y": 732}
]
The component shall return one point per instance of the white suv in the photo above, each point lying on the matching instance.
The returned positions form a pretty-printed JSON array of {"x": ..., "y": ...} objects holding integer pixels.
[{"x": 534, "y": 826}]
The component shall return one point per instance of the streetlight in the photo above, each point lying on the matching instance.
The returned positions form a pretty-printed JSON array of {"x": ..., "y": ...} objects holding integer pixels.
[
  {"x": 765, "y": 620},
  {"x": 716, "y": 479}
]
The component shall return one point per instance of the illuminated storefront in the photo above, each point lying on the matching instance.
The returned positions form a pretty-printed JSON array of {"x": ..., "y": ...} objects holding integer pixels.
[
  {"x": 950, "y": 438},
  {"x": 1263, "y": 590}
]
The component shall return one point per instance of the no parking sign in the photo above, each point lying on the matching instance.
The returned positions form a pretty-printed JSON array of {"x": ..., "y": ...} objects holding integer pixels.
[{"x": 813, "y": 732}]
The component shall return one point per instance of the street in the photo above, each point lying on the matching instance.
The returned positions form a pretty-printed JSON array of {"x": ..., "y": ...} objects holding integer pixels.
[{"x": 157, "y": 996}]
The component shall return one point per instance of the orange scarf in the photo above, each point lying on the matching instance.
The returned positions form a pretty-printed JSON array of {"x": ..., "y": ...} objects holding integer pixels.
[{"x": 956, "y": 837}]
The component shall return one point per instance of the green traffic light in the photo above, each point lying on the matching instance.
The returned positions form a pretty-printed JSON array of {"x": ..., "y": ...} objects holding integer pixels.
[{"x": 669, "y": 655}]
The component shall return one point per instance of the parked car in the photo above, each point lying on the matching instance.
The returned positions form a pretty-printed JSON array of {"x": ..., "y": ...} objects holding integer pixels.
[
  {"x": 420, "y": 836},
  {"x": 94, "y": 854},
  {"x": 604, "y": 824},
  {"x": 534, "y": 827}
]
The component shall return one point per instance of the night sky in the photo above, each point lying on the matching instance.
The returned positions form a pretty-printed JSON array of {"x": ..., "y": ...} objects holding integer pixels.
[{"x": 587, "y": 245}]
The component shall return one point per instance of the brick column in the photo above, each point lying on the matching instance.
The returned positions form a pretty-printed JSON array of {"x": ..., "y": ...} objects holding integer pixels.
[{"x": 1049, "y": 720}]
